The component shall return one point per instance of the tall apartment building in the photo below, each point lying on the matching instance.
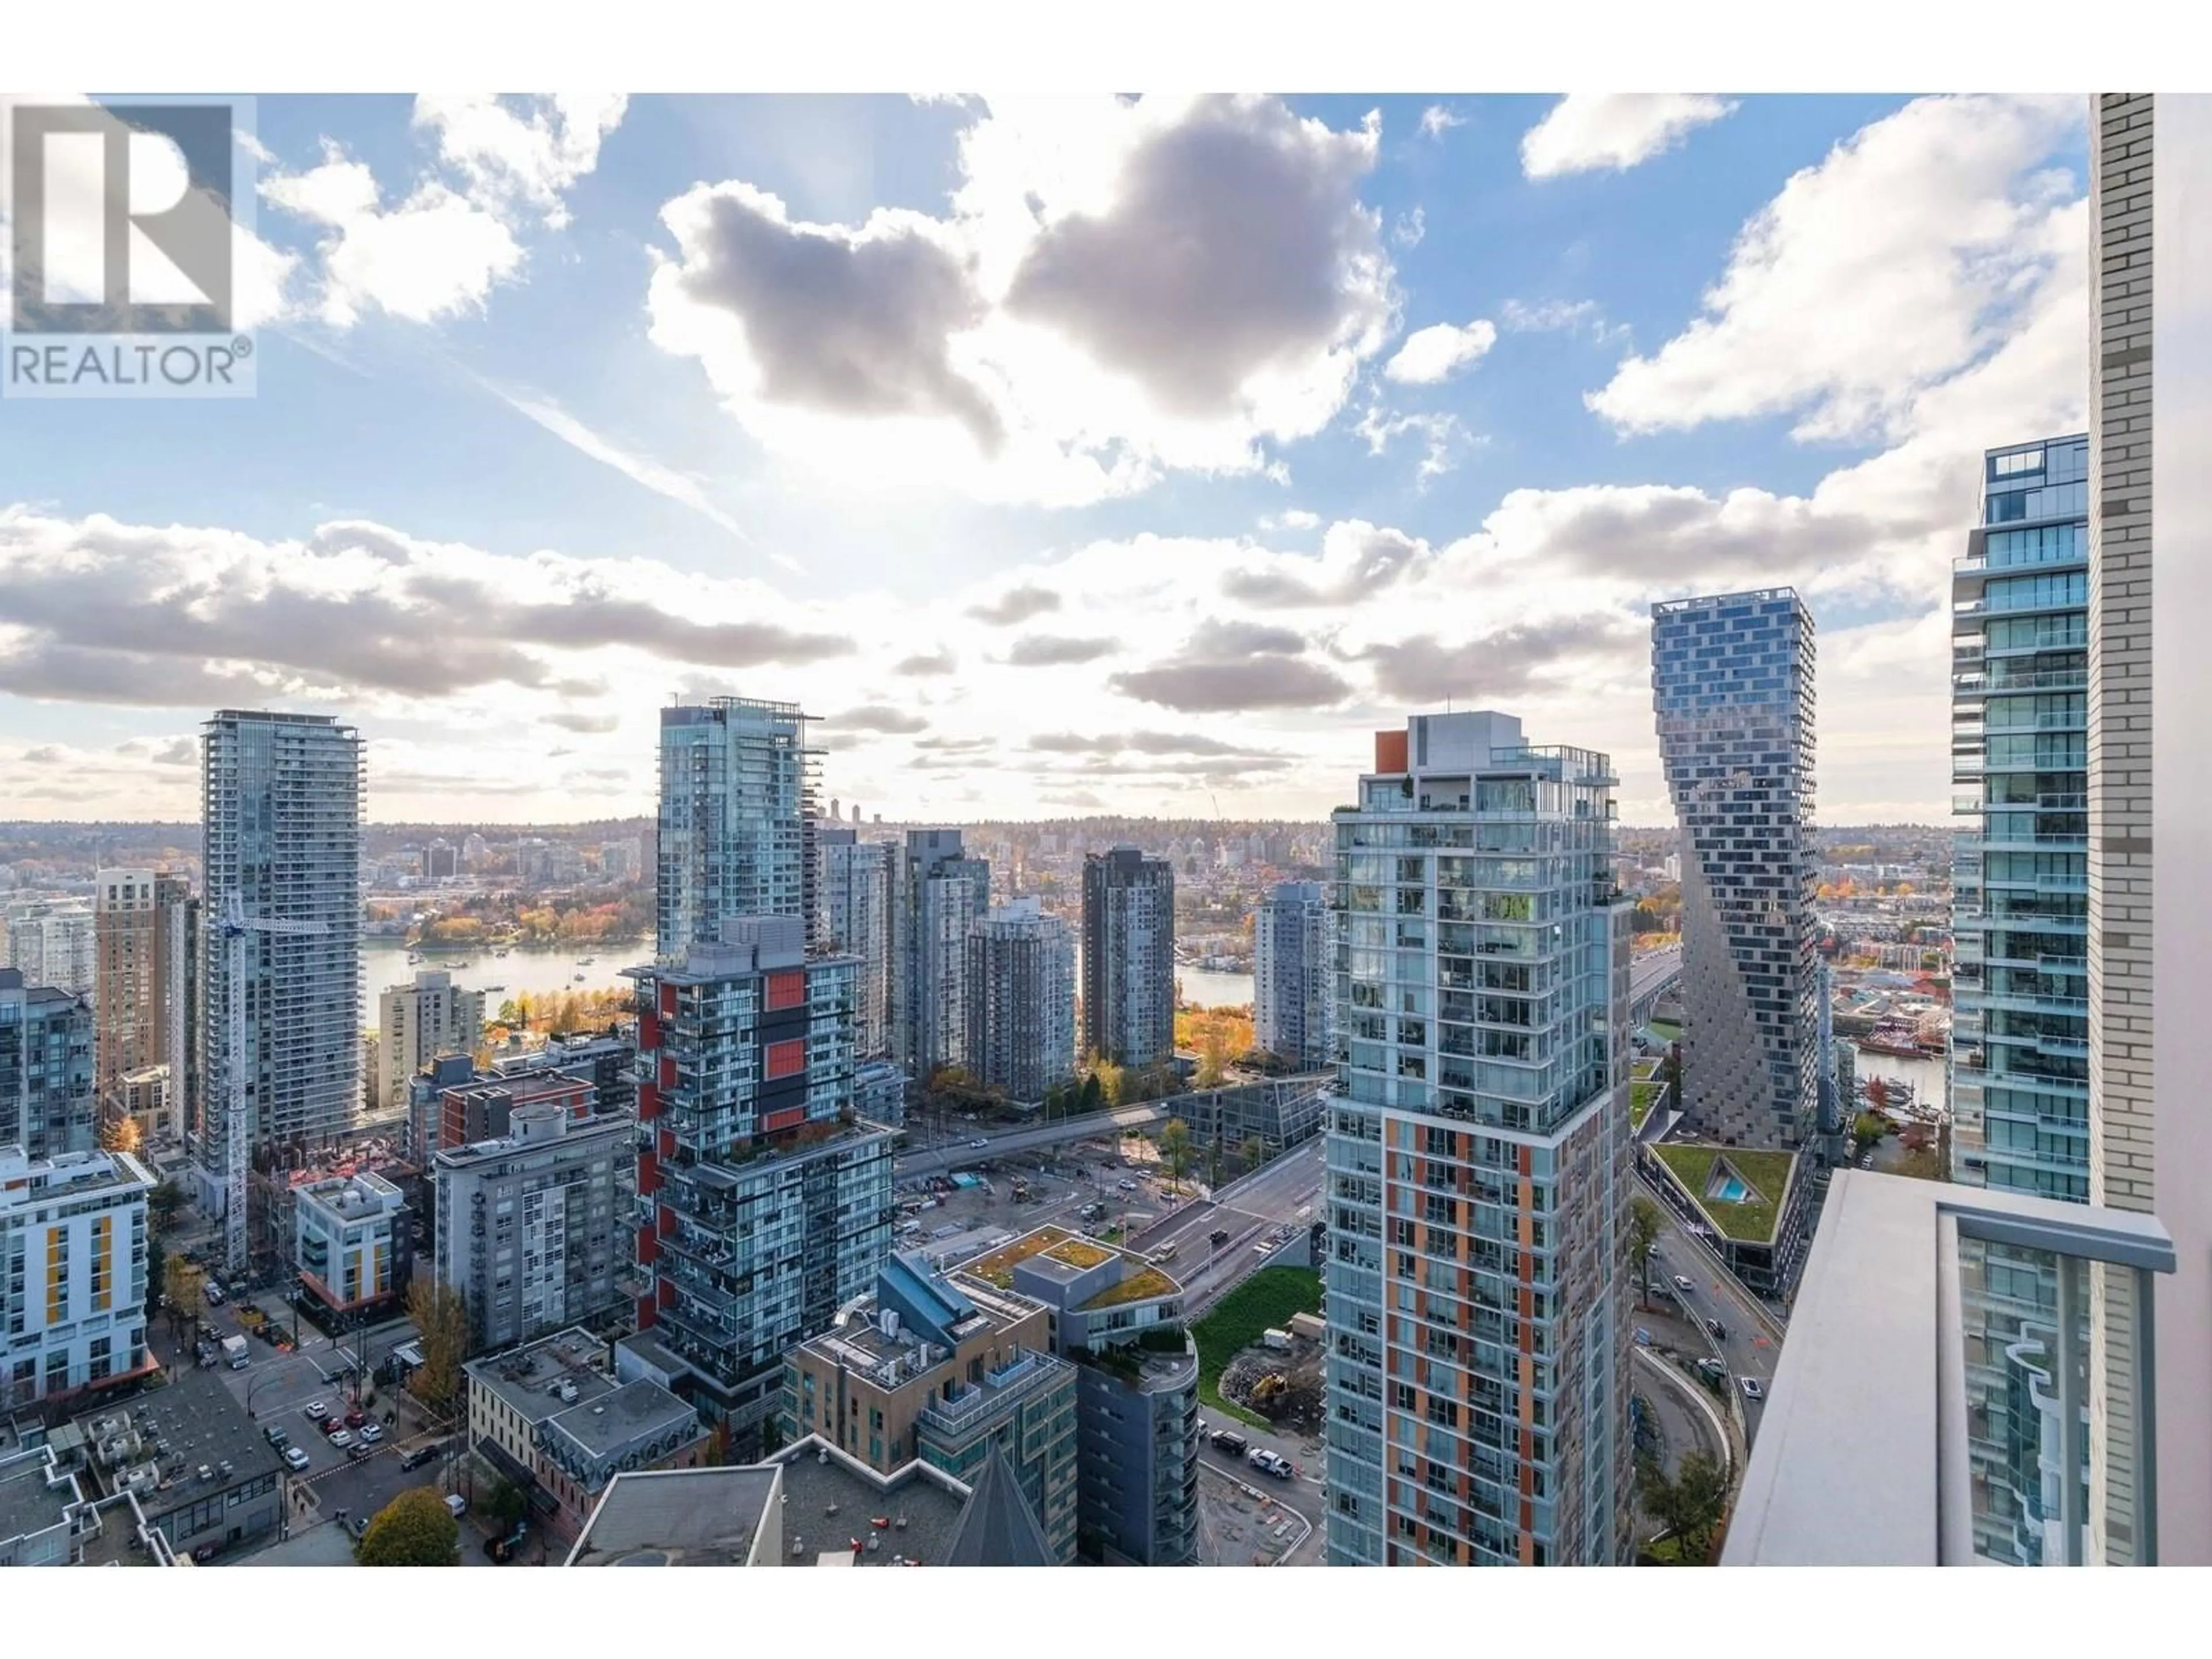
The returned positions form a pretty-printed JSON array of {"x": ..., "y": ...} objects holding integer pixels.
[
  {"x": 764, "y": 1203},
  {"x": 51, "y": 942},
  {"x": 1292, "y": 974},
  {"x": 535, "y": 1224},
  {"x": 1020, "y": 1019},
  {"x": 853, "y": 889},
  {"x": 941, "y": 1369},
  {"x": 1732, "y": 682},
  {"x": 1476, "y": 1292},
  {"x": 2150, "y": 1136},
  {"x": 418, "y": 1022},
  {"x": 1128, "y": 957},
  {"x": 280, "y": 826},
  {"x": 1118, "y": 1317},
  {"x": 737, "y": 783},
  {"x": 47, "y": 1107},
  {"x": 72, "y": 1272},
  {"x": 2019, "y": 1074},
  {"x": 938, "y": 894}
]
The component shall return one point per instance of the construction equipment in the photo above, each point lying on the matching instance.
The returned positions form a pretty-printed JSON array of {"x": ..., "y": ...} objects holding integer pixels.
[{"x": 238, "y": 1114}]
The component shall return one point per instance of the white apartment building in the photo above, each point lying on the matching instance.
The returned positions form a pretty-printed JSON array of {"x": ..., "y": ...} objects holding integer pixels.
[
  {"x": 350, "y": 1239},
  {"x": 51, "y": 941},
  {"x": 72, "y": 1272},
  {"x": 1292, "y": 974},
  {"x": 417, "y": 1023}
]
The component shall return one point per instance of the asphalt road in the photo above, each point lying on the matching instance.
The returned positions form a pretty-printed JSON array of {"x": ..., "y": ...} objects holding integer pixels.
[
  {"x": 959, "y": 1151},
  {"x": 1648, "y": 970},
  {"x": 1749, "y": 1349},
  {"x": 1286, "y": 1192}
]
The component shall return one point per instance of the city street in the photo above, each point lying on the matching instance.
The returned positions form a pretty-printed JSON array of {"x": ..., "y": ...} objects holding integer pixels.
[
  {"x": 954, "y": 1151},
  {"x": 1283, "y": 1193},
  {"x": 1750, "y": 1348}
]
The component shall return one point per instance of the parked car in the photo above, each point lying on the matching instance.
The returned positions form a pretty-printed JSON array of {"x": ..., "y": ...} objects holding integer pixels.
[
  {"x": 341, "y": 1438},
  {"x": 356, "y": 1417},
  {"x": 277, "y": 1436},
  {"x": 1125, "y": 1186},
  {"x": 214, "y": 1294},
  {"x": 1228, "y": 1440},
  {"x": 1683, "y": 1282},
  {"x": 295, "y": 1458},
  {"x": 1751, "y": 1388},
  {"x": 372, "y": 1432},
  {"x": 358, "y": 1450},
  {"x": 1270, "y": 1463},
  {"x": 421, "y": 1455},
  {"x": 981, "y": 1143},
  {"x": 317, "y": 1411}
]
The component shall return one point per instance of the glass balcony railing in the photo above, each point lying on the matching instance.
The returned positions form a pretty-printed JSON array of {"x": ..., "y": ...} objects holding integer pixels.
[{"x": 1973, "y": 1367}]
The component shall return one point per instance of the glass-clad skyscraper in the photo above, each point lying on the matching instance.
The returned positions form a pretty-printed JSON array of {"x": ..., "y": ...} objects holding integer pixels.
[
  {"x": 1476, "y": 1289},
  {"x": 1732, "y": 684},
  {"x": 2019, "y": 1066},
  {"x": 736, "y": 802}
]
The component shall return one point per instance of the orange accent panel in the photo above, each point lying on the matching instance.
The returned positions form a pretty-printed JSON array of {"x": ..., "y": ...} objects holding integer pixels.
[
  {"x": 1391, "y": 751},
  {"x": 786, "y": 1059},
  {"x": 789, "y": 1118},
  {"x": 787, "y": 989}
]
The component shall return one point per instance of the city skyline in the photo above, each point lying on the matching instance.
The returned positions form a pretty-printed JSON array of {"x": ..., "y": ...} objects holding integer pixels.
[{"x": 1662, "y": 293}]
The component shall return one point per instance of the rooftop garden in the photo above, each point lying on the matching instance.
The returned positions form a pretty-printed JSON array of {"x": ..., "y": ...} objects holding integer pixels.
[
  {"x": 1068, "y": 1248},
  {"x": 1139, "y": 1286},
  {"x": 1641, "y": 1094},
  {"x": 1750, "y": 1219}
]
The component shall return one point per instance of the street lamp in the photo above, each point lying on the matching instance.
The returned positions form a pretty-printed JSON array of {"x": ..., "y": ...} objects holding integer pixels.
[{"x": 255, "y": 1388}]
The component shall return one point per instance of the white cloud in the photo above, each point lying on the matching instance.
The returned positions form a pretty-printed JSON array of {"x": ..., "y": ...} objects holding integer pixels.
[
  {"x": 1439, "y": 351},
  {"x": 1903, "y": 257},
  {"x": 1560, "y": 316},
  {"x": 1437, "y": 120},
  {"x": 1587, "y": 132},
  {"x": 1296, "y": 517},
  {"x": 1121, "y": 289},
  {"x": 1441, "y": 433},
  {"x": 1409, "y": 228},
  {"x": 438, "y": 248},
  {"x": 435, "y": 255}
]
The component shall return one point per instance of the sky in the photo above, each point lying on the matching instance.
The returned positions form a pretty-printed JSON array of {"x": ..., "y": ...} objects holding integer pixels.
[{"x": 1138, "y": 455}]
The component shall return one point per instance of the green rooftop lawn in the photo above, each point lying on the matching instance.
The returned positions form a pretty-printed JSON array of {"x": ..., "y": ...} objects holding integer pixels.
[
  {"x": 1262, "y": 1303},
  {"x": 1766, "y": 1173},
  {"x": 1640, "y": 1096}
]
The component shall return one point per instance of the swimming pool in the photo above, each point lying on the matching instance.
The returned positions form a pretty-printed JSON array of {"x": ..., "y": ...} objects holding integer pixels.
[{"x": 1730, "y": 1189}]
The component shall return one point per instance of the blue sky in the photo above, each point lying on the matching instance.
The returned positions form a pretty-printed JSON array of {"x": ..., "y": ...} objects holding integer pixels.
[{"x": 565, "y": 406}]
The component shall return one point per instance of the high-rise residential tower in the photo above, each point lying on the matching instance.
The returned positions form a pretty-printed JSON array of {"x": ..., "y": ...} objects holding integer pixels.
[
  {"x": 279, "y": 824},
  {"x": 938, "y": 893},
  {"x": 418, "y": 1022},
  {"x": 1128, "y": 957},
  {"x": 51, "y": 941},
  {"x": 1477, "y": 1292},
  {"x": 145, "y": 927},
  {"x": 1021, "y": 1000},
  {"x": 764, "y": 1202},
  {"x": 852, "y": 892},
  {"x": 1292, "y": 974},
  {"x": 1732, "y": 681},
  {"x": 47, "y": 1106},
  {"x": 2019, "y": 1075},
  {"x": 737, "y": 782}
]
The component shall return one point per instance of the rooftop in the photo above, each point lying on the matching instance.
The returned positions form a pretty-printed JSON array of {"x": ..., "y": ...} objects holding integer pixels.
[
  {"x": 1061, "y": 1255},
  {"x": 678, "y": 1518},
  {"x": 28, "y": 1502},
  {"x": 637, "y": 1410},
  {"x": 1745, "y": 1209},
  {"x": 529, "y": 1378},
  {"x": 191, "y": 1424},
  {"x": 829, "y": 1505}
]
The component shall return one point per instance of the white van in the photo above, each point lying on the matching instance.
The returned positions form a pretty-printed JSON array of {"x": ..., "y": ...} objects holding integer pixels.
[{"x": 457, "y": 1504}]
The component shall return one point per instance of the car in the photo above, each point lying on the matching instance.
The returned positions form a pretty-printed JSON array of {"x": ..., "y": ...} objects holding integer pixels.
[
  {"x": 979, "y": 1144},
  {"x": 1712, "y": 1367},
  {"x": 1653, "y": 1252},
  {"x": 421, "y": 1455},
  {"x": 341, "y": 1439},
  {"x": 356, "y": 1417},
  {"x": 317, "y": 1411},
  {"x": 1125, "y": 1186},
  {"x": 358, "y": 1450},
  {"x": 277, "y": 1436},
  {"x": 1683, "y": 1282},
  {"x": 1642, "y": 1337},
  {"x": 1228, "y": 1440},
  {"x": 331, "y": 1425},
  {"x": 296, "y": 1457},
  {"x": 456, "y": 1505},
  {"x": 372, "y": 1432},
  {"x": 214, "y": 1294},
  {"x": 358, "y": 1526},
  {"x": 1718, "y": 1330},
  {"x": 1217, "y": 1238},
  {"x": 1752, "y": 1388}
]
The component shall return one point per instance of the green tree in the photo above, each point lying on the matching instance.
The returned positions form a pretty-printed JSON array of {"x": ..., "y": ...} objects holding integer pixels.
[
  {"x": 1175, "y": 1148},
  {"x": 1253, "y": 1153},
  {"x": 414, "y": 1530},
  {"x": 1092, "y": 1095},
  {"x": 1644, "y": 1224},
  {"x": 509, "y": 1504},
  {"x": 1868, "y": 1128},
  {"x": 441, "y": 1316},
  {"x": 1690, "y": 1505}
]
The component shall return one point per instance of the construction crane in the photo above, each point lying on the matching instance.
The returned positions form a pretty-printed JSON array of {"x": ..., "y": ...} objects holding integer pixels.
[{"x": 238, "y": 1117}]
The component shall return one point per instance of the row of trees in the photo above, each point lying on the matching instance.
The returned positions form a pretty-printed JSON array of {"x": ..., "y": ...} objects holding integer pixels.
[{"x": 559, "y": 1012}]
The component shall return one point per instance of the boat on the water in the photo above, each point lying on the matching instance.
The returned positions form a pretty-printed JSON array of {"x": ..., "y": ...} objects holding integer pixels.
[{"x": 1900, "y": 1040}]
